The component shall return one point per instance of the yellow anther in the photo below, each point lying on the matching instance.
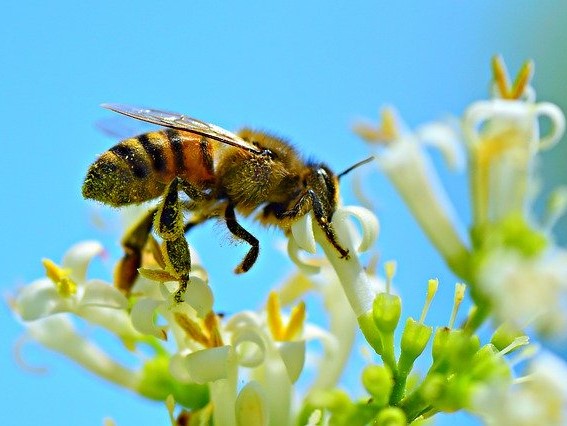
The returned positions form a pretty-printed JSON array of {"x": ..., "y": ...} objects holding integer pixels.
[
  {"x": 388, "y": 126},
  {"x": 459, "y": 296},
  {"x": 296, "y": 321},
  {"x": 192, "y": 329},
  {"x": 294, "y": 327},
  {"x": 432, "y": 286},
  {"x": 501, "y": 78},
  {"x": 390, "y": 268},
  {"x": 60, "y": 277},
  {"x": 387, "y": 130},
  {"x": 273, "y": 310},
  {"x": 212, "y": 326}
]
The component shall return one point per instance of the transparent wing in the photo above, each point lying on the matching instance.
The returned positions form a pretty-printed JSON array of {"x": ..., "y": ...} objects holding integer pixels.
[{"x": 182, "y": 122}]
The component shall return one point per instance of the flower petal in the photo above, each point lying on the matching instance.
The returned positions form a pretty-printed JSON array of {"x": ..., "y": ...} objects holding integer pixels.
[
  {"x": 209, "y": 365},
  {"x": 78, "y": 257},
  {"x": 368, "y": 221},
  {"x": 41, "y": 299},
  {"x": 251, "y": 405},
  {"x": 143, "y": 318},
  {"x": 200, "y": 296},
  {"x": 293, "y": 253},
  {"x": 302, "y": 232},
  {"x": 250, "y": 347},
  {"x": 292, "y": 354},
  {"x": 100, "y": 293}
]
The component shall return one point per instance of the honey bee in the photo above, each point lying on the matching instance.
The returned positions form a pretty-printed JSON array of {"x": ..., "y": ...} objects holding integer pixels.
[{"x": 220, "y": 172}]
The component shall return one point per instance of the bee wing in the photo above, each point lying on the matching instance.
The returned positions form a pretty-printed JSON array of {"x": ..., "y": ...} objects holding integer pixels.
[{"x": 182, "y": 122}]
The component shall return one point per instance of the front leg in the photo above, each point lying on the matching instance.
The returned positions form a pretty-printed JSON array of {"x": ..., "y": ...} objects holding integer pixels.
[
  {"x": 238, "y": 231},
  {"x": 307, "y": 200}
]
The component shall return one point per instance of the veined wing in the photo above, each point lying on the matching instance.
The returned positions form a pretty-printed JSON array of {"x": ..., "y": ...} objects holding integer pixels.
[{"x": 182, "y": 122}]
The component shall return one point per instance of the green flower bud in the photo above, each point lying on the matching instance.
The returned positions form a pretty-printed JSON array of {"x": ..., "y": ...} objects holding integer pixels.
[
  {"x": 386, "y": 311},
  {"x": 378, "y": 382},
  {"x": 505, "y": 335},
  {"x": 157, "y": 383},
  {"x": 391, "y": 416},
  {"x": 414, "y": 339}
]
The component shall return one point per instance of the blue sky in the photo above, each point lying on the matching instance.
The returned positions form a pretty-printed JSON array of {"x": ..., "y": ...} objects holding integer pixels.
[{"x": 304, "y": 70}]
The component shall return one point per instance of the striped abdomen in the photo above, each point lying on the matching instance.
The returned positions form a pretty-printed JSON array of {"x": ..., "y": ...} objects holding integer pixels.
[{"x": 138, "y": 169}]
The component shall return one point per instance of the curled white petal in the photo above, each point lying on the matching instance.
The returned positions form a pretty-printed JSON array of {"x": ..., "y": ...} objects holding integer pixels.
[
  {"x": 302, "y": 231},
  {"x": 209, "y": 365},
  {"x": 444, "y": 137},
  {"x": 557, "y": 119},
  {"x": 100, "y": 293},
  {"x": 292, "y": 354},
  {"x": 251, "y": 406},
  {"x": 143, "y": 317},
  {"x": 293, "y": 253},
  {"x": 250, "y": 347},
  {"x": 368, "y": 221},
  {"x": 78, "y": 257},
  {"x": 242, "y": 320}
]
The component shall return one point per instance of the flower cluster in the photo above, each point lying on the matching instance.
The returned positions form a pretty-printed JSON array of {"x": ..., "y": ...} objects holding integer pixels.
[{"x": 244, "y": 369}]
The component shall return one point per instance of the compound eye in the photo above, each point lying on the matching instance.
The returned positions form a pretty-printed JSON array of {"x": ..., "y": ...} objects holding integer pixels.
[{"x": 270, "y": 154}]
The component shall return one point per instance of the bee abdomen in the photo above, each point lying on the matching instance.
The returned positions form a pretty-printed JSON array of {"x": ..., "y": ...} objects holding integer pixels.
[{"x": 126, "y": 174}]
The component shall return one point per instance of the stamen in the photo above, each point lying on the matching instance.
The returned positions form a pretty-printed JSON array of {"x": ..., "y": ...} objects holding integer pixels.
[
  {"x": 390, "y": 268},
  {"x": 60, "y": 277},
  {"x": 387, "y": 130},
  {"x": 432, "y": 286},
  {"x": 501, "y": 78},
  {"x": 191, "y": 328},
  {"x": 459, "y": 296},
  {"x": 296, "y": 321},
  {"x": 212, "y": 326},
  {"x": 516, "y": 343},
  {"x": 273, "y": 310}
]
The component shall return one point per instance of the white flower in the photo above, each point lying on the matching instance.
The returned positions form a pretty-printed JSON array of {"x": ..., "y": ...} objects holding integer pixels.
[
  {"x": 402, "y": 157},
  {"x": 66, "y": 289},
  {"x": 58, "y": 333},
  {"x": 356, "y": 284},
  {"x": 537, "y": 399},
  {"x": 527, "y": 290},
  {"x": 503, "y": 139}
]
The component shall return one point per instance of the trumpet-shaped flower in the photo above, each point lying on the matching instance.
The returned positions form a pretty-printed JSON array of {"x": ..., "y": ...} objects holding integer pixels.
[
  {"x": 527, "y": 291},
  {"x": 403, "y": 159},
  {"x": 540, "y": 398}
]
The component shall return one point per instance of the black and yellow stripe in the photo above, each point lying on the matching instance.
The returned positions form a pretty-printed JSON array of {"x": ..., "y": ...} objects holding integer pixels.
[{"x": 138, "y": 169}]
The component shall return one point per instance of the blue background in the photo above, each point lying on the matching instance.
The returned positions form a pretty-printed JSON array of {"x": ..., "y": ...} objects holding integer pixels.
[{"x": 305, "y": 70}]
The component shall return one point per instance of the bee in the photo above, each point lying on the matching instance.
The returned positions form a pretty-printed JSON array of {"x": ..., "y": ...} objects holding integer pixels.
[{"x": 221, "y": 173}]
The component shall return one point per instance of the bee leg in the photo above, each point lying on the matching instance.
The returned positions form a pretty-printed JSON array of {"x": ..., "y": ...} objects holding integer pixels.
[
  {"x": 322, "y": 216},
  {"x": 324, "y": 220},
  {"x": 168, "y": 223},
  {"x": 237, "y": 230},
  {"x": 133, "y": 243}
]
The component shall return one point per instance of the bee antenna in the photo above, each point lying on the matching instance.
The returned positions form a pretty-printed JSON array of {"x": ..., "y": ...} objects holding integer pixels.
[{"x": 351, "y": 168}]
